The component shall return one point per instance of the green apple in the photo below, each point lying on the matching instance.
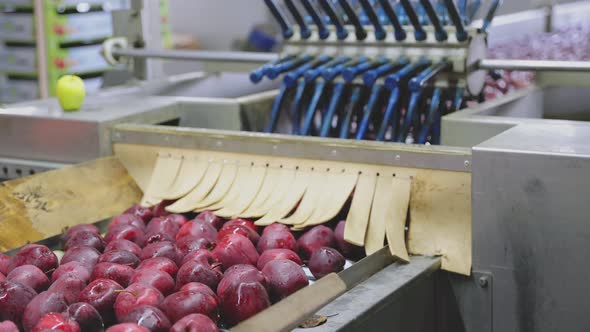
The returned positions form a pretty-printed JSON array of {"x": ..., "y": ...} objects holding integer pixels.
[{"x": 70, "y": 92}]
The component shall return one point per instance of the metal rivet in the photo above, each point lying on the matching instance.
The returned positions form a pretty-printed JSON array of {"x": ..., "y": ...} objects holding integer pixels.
[
  {"x": 483, "y": 282},
  {"x": 397, "y": 157},
  {"x": 467, "y": 163}
]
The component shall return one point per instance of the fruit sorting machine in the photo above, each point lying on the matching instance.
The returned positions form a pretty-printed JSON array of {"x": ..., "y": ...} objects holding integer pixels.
[{"x": 490, "y": 230}]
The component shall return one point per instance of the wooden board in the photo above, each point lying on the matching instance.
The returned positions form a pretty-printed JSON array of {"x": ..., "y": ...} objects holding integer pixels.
[{"x": 39, "y": 206}]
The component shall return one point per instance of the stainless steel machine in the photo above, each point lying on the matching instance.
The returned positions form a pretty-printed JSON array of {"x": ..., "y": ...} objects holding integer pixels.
[{"x": 525, "y": 155}]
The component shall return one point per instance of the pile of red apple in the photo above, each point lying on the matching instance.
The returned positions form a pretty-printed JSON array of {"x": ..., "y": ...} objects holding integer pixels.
[{"x": 154, "y": 271}]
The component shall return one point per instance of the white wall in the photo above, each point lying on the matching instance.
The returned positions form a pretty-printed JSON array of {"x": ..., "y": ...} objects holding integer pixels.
[{"x": 217, "y": 22}]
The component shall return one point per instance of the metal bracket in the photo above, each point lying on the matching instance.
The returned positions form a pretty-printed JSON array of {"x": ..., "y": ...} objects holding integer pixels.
[{"x": 474, "y": 300}]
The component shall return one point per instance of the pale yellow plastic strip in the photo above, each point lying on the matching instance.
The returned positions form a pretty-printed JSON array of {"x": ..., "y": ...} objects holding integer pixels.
[
  {"x": 284, "y": 183},
  {"x": 241, "y": 178},
  {"x": 190, "y": 174},
  {"x": 299, "y": 184},
  {"x": 380, "y": 213},
  {"x": 357, "y": 219},
  {"x": 271, "y": 179},
  {"x": 163, "y": 176},
  {"x": 333, "y": 199},
  {"x": 225, "y": 181},
  {"x": 395, "y": 227},
  {"x": 249, "y": 191},
  {"x": 191, "y": 200},
  {"x": 320, "y": 179}
]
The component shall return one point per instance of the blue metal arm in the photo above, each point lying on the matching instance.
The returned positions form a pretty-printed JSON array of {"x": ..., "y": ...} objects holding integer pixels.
[{"x": 280, "y": 17}]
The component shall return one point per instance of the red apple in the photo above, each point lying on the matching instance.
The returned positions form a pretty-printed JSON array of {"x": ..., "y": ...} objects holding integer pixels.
[
  {"x": 198, "y": 287},
  {"x": 8, "y": 326},
  {"x": 31, "y": 276},
  {"x": 180, "y": 304},
  {"x": 202, "y": 256},
  {"x": 71, "y": 231},
  {"x": 235, "y": 249},
  {"x": 345, "y": 248},
  {"x": 127, "y": 327},
  {"x": 272, "y": 254},
  {"x": 159, "y": 209},
  {"x": 161, "y": 229},
  {"x": 242, "y": 300},
  {"x": 194, "y": 323},
  {"x": 161, "y": 281},
  {"x": 69, "y": 287},
  {"x": 238, "y": 229},
  {"x": 101, "y": 294},
  {"x": 125, "y": 245},
  {"x": 144, "y": 213},
  {"x": 87, "y": 256},
  {"x": 35, "y": 254},
  {"x": 14, "y": 297},
  {"x": 56, "y": 322},
  {"x": 242, "y": 222},
  {"x": 197, "y": 230},
  {"x": 72, "y": 269},
  {"x": 159, "y": 264},
  {"x": 277, "y": 240},
  {"x": 127, "y": 219},
  {"x": 120, "y": 257},
  {"x": 284, "y": 277},
  {"x": 122, "y": 274},
  {"x": 41, "y": 305},
  {"x": 135, "y": 295},
  {"x": 194, "y": 271},
  {"x": 160, "y": 249},
  {"x": 149, "y": 317},
  {"x": 325, "y": 261},
  {"x": 315, "y": 238},
  {"x": 4, "y": 262},
  {"x": 275, "y": 227},
  {"x": 210, "y": 218},
  {"x": 86, "y": 316},
  {"x": 127, "y": 232},
  {"x": 240, "y": 273}
]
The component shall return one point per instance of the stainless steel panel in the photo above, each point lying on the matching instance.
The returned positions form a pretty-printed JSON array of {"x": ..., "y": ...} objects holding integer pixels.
[
  {"x": 530, "y": 225},
  {"x": 398, "y": 298},
  {"x": 393, "y": 154}
]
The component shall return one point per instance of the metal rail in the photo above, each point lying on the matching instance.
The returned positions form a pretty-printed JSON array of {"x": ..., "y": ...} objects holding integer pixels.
[
  {"x": 535, "y": 65},
  {"x": 213, "y": 56}
]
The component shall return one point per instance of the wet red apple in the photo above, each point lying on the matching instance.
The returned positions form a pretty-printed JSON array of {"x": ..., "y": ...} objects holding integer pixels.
[
  {"x": 275, "y": 227},
  {"x": 87, "y": 239},
  {"x": 182, "y": 303},
  {"x": 194, "y": 271},
  {"x": 161, "y": 229},
  {"x": 127, "y": 327},
  {"x": 127, "y": 232},
  {"x": 14, "y": 297},
  {"x": 242, "y": 222},
  {"x": 198, "y": 287},
  {"x": 240, "y": 273},
  {"x": 54, "y": 321},
  {"x": 4, "y": 262},
  {"x": 159, "y": 210},
  {"x": 101, "y": 294},
  {"x": 69, "y": 232},
  {"x": 120, "y": 257},
  {"x": 160, "y": 249},
  {"x": 133, "y": 296},
  {"x": 235, "y": 249},
  {"x": 277, "y": 240},
  {"x": 194, "y": 323},
  {"x": 31, "y": 276},
  {"x": 149, "y": 317},
  {"x": 72, "y": 269},
  {"x": 161, "y": 281},
  {"x": 202, "y": 256},
  {"x": 125, "y": 245},
  {"x": 346, "y": 249},
  {"x": 272, "y": 254},
  {"x": 87, "y": 256},
  {"x": 41, "y": 305},
  {"x": 284, "y": 277},
  {"x": 238, "y": 229},
  {"x": 315, "y": 238},
  {"x": 242, "y": 300},
  {"x": 86, "y": 316},
  {"x": 8, "y": 326},
  {"x": 210, "y": 218},
  {"x": 325, "y": 261},
  {"x": 159, "y": 264},
  {"x": 143, "y": 212},
  {"x": 35, "y": 254},
  {"x": 69, "y": 287},
  {"x": 122, "y": 274},
  {"x": 197, "y": 230},
  {"x": 127, "y": 219}
]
